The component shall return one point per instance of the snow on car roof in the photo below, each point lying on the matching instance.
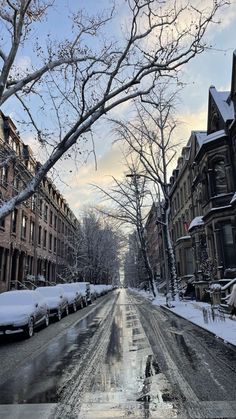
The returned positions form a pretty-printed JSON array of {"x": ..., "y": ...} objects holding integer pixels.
[{"x": 18, "y": 297}]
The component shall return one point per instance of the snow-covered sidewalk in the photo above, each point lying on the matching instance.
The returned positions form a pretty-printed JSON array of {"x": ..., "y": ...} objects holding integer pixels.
[{"x": 200, "y": 314}]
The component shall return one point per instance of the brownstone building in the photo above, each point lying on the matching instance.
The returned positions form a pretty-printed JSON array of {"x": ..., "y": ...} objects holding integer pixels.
[
  {"x": 203, "y": 198},
  {"x": 38, "y": 238},
  {"x": 183, "y": 210}
]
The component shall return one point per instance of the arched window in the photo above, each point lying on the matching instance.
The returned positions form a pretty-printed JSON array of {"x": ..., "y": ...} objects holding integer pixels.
[{"x": 220, "y": 181}]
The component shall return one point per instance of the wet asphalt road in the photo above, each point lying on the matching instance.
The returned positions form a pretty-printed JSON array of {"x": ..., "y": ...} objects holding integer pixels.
[{"x": 119, "y": 358}]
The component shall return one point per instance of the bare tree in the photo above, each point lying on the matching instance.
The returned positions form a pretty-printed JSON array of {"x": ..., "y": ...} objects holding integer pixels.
[
  {"x": 151, "y": 138},
  {"x": 96, "y": 252},
  {"x": 128, "y": 197},
  {"x": 134, "y": 270},
  {"x": 81, "y": 79}
]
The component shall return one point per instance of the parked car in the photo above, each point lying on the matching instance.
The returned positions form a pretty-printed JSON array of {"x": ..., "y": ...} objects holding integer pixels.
[
  {"x": 73, "y": 295},
  {"x": 101, "y": 289},
  {"x": 84, "y": 289},
  {"x": 56, "y": 300},
  {"x": 22, "y": 310},
  {"x": 93, "y": 292}
]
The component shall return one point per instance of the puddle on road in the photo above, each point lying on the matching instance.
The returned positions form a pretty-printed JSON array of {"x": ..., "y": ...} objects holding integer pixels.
[
  {"x": 129, "y": 383},
  {"x": 37, "y": 381}
]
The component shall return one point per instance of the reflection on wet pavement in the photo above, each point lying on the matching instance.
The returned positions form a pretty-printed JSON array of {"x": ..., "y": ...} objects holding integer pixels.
[
  {"x": 38, "y": 380},
  {"x": 129, "y": 383}
]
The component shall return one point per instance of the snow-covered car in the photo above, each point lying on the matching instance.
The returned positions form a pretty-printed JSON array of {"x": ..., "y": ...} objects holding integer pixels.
[
  {"x": 93, "y": 292},
  {"x": 101, "y": 289},
  {"x": 56, "y": 300},
  {"x": 84, "y": 289},
  {"x": 73, "y": 295},
  {"x": 22, "y": 310}
]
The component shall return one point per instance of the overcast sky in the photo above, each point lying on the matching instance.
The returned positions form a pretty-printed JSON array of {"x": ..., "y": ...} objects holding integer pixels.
[{"x": 211, "y": 68}]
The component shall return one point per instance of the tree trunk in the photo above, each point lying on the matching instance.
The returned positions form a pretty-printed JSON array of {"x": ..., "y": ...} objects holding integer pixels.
[
  {"x": 147, "y": 262},
  {"x": 170, "y": 254}
]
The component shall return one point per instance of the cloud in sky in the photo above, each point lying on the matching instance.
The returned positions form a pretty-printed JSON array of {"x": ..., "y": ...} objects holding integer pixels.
[
  {"x": 79, "y": 191},
  {"x": 209, "y": 68}
]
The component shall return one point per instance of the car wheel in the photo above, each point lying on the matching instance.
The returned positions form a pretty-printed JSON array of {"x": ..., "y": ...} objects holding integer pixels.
[
  {"x": 47, "y": 320},
  {"x": 74, "y": 307},
  {"x": 29, "y": 330},
  {"x": 59, "y": 314},
  {"x": 67, "y": 310}
]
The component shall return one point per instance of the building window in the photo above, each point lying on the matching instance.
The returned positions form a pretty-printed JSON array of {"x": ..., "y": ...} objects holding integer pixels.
[
  {"x": 16, "y": 182},
  {"x": 33, "y": 202},
  {"x": 185, "y": 192},
  {"x": 45, "y": 238},
  {"x": 46, "y": 213},
  {"x": 40, "y": 236},
  {"x": 32, "y": 231},
  {"x": 14, "y": 221},
  {"x": 50, "y": 242},
  {"x": 219, "y": 178},
  {"x": 178, "y": 203},
  {"x": 229, "y": 248},
  {"x": 55, "y": 245},
  {"x": 23, "y": 226},
  {"x": 4, "y": 174},
  {"x": 181, "y": 197},
  {"x": 40, "y": 207},
  {"x": 55, "y": 221},
  {"x": 51, "y": 217},
  {"x": 2, "y": 223},
  {"x": 59, "y": 225}
]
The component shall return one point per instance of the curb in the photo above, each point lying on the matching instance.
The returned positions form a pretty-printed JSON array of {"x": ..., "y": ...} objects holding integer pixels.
[{"x": 197, "y": 325}]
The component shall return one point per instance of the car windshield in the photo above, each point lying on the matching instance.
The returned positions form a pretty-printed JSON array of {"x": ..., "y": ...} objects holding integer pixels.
[
  {"x": 50, "y": 291},
  {"x": 19, "y": 298}
]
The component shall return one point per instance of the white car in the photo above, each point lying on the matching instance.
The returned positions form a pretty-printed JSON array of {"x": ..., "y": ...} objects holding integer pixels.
[
  {"x": 56, "y": 300},
  {"x": 73, "y": 295},
  {"x": 93, "y": 292},
  {"x": 101, "y": 289},
  {"x": 22, "y": 310}
]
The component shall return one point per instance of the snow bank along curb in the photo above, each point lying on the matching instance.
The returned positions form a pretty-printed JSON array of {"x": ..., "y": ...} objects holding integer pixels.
[
  {"x": 200, "y": 314},
  {"x": 223, "y": 339}
]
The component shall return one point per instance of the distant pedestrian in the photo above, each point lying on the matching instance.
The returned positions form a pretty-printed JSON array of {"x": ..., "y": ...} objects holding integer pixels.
[{"x": 232, "y": 302}]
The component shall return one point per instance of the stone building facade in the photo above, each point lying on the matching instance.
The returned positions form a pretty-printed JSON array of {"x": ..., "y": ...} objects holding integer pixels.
[
  {"x": 209, "y": 208},
  {"x": 38, "y": 239}
]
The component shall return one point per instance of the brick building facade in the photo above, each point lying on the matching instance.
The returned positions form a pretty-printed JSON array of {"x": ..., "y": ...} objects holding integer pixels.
[{"x": 37, "y": 240}]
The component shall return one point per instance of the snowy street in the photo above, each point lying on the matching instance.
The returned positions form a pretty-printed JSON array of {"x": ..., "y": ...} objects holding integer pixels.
[{"x": 121, "y": 357}]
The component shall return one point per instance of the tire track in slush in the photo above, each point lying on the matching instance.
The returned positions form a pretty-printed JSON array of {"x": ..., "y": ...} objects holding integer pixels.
[
  {"x": 195, "y": 407},
  {"x": 176, "y": 375},
  {"x": 70, "y": 395}
]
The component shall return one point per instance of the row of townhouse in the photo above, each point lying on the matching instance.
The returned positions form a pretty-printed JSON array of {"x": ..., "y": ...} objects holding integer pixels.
[
  {"x": 203, "y": 199},
  {"x": 38, "y": 239}
]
